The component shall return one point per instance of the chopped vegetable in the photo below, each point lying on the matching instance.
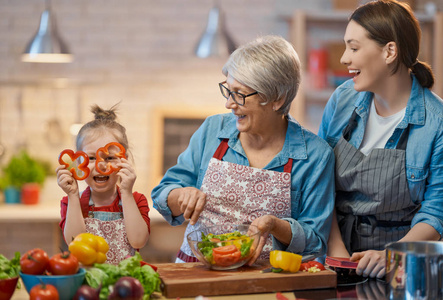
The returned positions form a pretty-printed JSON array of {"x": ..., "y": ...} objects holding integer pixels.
[
  {"x": 215, "y": 248},
  {"x": 9, "y": 268},
  {"x": 107, "y": 275},
  {"x": 104, "y": 154},
  {"x": 68, "y": 158},
  {"x": 312, "y": 266},
  {"x": 286, "y": 261}
]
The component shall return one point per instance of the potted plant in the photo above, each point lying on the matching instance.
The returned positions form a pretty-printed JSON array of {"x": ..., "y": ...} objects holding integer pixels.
[{"x": 22, "y": 174}]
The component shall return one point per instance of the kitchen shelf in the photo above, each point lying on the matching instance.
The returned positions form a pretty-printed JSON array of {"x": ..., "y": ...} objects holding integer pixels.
[{"x": 301, "y": 24}]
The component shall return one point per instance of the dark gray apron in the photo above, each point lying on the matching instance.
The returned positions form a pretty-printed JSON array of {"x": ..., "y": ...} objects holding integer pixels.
[{"x": 372, "y": 197}]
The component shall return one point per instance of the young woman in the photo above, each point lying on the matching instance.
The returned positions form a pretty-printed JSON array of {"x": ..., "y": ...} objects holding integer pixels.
[
  {"x": 385, "y": 126},
  {"x": 108, "y": 207}
]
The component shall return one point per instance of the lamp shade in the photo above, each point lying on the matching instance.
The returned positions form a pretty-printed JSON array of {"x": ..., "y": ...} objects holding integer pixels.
[
  {"x": 215, "y": 41},
  {"x": 47, "y": 46}
]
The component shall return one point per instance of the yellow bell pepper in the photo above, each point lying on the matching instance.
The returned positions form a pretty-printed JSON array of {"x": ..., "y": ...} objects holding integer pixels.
[
  {"x": 89, "y": 249},
  {"x": 286, "y": 261}
]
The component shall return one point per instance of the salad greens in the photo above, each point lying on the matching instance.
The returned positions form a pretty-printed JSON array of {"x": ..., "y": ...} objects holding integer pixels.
[
  {"x": 9, "y": 268},
  {"x": 211, "y": 241},
  {"x": 107, "y": 275}
]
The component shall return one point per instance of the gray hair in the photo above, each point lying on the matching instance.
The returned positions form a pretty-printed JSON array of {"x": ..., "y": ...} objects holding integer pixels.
[{"x": 268, "y": 65}]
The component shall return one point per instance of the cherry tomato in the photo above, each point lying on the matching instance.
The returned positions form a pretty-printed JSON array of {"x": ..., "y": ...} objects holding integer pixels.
[
  {"x": 63, "y": 264},
  {"x": 34, "y": 262},
  {"x": 43, "y": 292}
]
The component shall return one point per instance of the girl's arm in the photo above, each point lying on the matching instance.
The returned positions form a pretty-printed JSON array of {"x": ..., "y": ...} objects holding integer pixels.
[
  {"x": 74, "y": 223},
  {"x": 136, "y": 227}
]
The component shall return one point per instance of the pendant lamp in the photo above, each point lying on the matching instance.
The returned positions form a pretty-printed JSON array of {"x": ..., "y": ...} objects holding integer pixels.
[
  {"x": 47, "y": 46},
  {"x": 215, "y": 41}
]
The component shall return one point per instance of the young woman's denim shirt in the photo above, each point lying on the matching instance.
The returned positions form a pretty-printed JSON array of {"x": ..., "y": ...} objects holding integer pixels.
[
  {"x": 424, "y": 151},
  {"x": 312, "y": 190}
]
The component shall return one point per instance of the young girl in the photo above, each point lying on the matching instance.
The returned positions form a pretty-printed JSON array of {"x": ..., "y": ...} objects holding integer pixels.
[
  {"x": 386, "y": 129},
  {"x": 108, "y": 207}
]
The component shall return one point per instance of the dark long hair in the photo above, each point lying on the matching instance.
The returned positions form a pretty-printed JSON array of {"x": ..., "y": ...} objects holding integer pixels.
[{"x": 393, "y": 21}]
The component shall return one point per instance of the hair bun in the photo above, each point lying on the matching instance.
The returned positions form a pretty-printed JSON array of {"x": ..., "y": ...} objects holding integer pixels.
[{"x": 101, "y": 114}]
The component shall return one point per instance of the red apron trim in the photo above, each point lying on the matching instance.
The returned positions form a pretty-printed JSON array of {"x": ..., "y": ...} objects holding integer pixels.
[
  {"x": 186, "y": 258},
  {"x": 223, "y": 147}
]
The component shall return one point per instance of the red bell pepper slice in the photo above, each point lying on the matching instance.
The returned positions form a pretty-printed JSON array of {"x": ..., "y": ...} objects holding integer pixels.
[
  {"x": 71, "y": 164},
  {"x": 104, "y": 152}
]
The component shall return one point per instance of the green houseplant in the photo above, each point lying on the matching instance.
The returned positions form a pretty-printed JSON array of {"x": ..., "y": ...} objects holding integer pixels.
[{"x": 22, "y": 172}]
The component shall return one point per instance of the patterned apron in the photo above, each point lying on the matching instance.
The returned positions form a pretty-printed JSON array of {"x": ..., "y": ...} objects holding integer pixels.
[
  {"x": 372, "y": 196},
  {"x": 111, "y": 227},
  {"x": 237, "y": 194}
]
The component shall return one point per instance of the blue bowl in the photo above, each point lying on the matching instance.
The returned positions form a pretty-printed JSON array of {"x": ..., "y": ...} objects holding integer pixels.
[{"x": 66, "y": 285}]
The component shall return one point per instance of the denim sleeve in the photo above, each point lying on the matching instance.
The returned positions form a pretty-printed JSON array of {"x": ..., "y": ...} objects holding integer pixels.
[
  {"x": 328, "y": 112},
  {"x": 311, "y": 227},
  {"x": 183, "y": 174},
  {"x": 431, "y": 211}
]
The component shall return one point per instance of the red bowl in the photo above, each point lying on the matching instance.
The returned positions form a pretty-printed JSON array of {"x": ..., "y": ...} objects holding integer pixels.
[{"x": 7, "y": 287}]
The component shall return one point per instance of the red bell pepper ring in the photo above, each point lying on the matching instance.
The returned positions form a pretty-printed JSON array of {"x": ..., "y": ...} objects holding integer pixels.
[
  {"x": 100, "y": 158},
  {"x": 72, "y": 166}
]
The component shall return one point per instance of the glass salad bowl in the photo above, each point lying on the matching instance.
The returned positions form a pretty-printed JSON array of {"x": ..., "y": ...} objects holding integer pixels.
[{"x": 224, "y": 247}]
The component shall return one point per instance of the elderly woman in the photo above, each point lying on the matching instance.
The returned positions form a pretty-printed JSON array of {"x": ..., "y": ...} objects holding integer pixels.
[{"x": 256, "y": 164}]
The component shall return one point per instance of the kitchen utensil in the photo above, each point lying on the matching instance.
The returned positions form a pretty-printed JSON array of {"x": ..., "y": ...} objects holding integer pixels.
[
  {"x": 414, "y": 270},
  {"x": 66, "y": 285},
  {"x": 345, "y": 269},
  {"x": 244, "y": 246},
  {"x": 194, "y": 279}
]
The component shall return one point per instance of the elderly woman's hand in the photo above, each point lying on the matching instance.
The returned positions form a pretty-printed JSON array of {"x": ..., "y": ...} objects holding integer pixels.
[
  {"x": 189, "y": 201},
  {"x": 265, "y": 225}
]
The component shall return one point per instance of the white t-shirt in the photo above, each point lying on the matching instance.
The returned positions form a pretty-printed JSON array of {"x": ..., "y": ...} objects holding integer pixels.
[{"x": 379, "y": 129}]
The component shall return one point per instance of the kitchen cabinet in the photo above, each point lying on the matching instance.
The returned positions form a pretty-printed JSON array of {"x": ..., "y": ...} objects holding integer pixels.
[{"x": 313, "y": 30}]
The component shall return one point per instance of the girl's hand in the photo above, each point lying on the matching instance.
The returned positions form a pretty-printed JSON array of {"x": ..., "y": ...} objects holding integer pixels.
[
  {"x": 65, "y": 180},
  {"x": 191, "y": 202},
  {"x": 127, "y": 175},
  {"x": 372, "y": 263}
]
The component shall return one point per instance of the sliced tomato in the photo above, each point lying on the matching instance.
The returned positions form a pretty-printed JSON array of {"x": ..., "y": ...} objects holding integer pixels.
[
  {"x": 227, "y": 259},
  {"x": 316, "y": 264},
  {"x": 304, "y": 267},
  {"x": 225, "y": 250}
]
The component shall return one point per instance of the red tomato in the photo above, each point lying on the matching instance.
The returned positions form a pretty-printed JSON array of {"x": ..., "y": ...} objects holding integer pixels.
[
  {"x": 63, "y": 264},
  {"x": 314, "y": 263},
  {"x": 305, "y": 266},
  {"x": 226, "y": 256},
  {"x": 225, "y": 249},
  {"x": 34, "y": 262},
  {"x": 43, "y": 292}
]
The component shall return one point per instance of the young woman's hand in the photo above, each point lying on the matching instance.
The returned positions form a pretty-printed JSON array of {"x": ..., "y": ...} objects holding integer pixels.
[
  {"x": 65, "y": 180},
  {"x": 372, "y": 263},
  {"x": 127, "y": 175},
  {"x": 188, "y": 201}
]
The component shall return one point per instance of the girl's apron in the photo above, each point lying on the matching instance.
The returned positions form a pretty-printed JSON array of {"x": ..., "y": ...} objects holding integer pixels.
[
  {"x": 237, "y": 194},
  {"x": 372, "y": 196},
  {"x": 111, "y": 227}
]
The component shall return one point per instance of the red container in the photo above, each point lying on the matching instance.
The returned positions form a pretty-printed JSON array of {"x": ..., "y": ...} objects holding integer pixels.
[
  {"x": 30, "y": 193},
  {"x": 318, "y": 67},
  {"x": 7, "y": 287}
]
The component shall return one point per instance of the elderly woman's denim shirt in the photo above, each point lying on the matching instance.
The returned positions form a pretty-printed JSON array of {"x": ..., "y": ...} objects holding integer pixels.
[
  {"x": 312, "y": 188},
  {"x": 424, "y": 151}
]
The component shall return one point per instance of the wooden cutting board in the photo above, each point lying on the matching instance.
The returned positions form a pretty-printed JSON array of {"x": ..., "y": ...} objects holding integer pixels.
[{"x": 194, "y": 279}]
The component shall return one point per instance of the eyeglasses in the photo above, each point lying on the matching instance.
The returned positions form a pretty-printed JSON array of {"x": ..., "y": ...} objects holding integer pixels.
[{"x": 238, "y": 98}]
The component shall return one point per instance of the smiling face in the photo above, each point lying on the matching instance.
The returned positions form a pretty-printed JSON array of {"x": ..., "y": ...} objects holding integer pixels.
[
  {"x": 365, "y": 59},
  {"x": 253, "y": 117},
  {"x": 97, "y": 181}
]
